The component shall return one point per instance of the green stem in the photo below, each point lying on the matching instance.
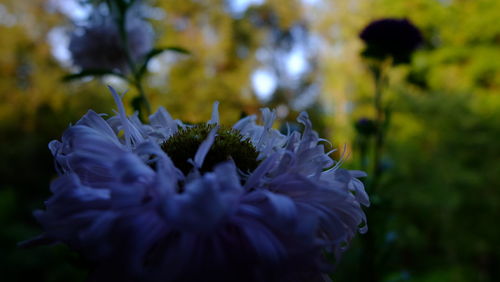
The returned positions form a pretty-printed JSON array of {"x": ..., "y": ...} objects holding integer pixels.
[
  {"x": 380, "y": 80},
  {"x": 142, "y": 94},
  {"x": 371, "y": 253},
  {"x": 136, "y": 77},
  {"x": 379, "y": 133},
  {"x": 362, "y": 142}
]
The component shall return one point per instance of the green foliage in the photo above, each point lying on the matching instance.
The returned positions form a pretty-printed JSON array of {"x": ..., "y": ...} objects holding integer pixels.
[
  {"x": 155, "y": 52},
  {"x": 91, "y": 73}
]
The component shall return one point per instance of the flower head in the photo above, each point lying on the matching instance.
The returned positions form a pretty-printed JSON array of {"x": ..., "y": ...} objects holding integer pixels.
[
  {"x": 396, "y": 38},
  {"x": 169, "y": 201},
  {"x": 98, "y": 44}
]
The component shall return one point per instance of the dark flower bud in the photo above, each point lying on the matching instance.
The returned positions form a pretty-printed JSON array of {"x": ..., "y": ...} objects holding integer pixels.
[
  {"x": 396, "y": 38},
  {"x": 366, "y": 127}
]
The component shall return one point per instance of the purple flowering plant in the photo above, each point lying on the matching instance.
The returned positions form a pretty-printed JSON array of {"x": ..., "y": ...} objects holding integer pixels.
[
  {"x": 171, "y": 201},
  {"x": 98, "y": 44},
  {"x": 116, "y": 40}
]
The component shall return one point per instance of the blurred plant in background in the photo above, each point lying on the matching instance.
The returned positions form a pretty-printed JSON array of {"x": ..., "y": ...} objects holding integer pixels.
[
  {"x": 440, "y": 151},
  {"x": 116, "y": 40},
  {"x": 388, "y": 42},
  {"x": 98, "y": 43}
]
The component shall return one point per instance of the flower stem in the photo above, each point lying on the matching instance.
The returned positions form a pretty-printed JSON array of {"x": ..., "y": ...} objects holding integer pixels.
[
  {"x": 380, "y": 79},
  {"x": 136, "y": 80},
  {"x": 379, "y": 136},
  {"x": 142, "y": 94},
  {"x": 371, "y": 255}
]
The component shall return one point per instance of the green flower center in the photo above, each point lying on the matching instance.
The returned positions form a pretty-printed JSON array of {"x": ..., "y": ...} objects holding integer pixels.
[{"x": 228, "y": 144}]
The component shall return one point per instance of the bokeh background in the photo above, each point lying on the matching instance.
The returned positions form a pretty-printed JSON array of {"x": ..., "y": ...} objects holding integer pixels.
[{"x": 438, "y": 200}]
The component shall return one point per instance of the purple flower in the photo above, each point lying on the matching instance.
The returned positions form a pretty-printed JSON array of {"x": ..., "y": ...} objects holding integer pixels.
[
  {"x": 396, "y": 38},
  {"x": 268, "y": 210},
  {"x": 98, "y": 44}
]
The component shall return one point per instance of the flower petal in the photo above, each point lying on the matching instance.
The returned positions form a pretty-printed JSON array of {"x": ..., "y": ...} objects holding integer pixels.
[
  {"x": 202, "y": 151},
  {"x": 215, "y": 114}
]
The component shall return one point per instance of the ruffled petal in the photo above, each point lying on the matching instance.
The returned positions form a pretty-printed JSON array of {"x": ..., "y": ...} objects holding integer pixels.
[
  {"x": 163, "y": 123},
  {"x": 215, "y": 114},
  {"x": 202, "y": 151},
  {"x": 204, "y": 203},
  {"x": 93, "y": 120},
  {"x": 132, "y": 133},
  {"x": 72, "y": 211}
]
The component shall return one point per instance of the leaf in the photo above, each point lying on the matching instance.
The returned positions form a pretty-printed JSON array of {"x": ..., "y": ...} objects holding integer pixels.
[
  {"x": 178, "y": 50},
  {"x": 91, "y": 72},
  {"x": 157, "y": 51}
]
